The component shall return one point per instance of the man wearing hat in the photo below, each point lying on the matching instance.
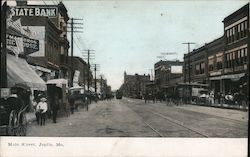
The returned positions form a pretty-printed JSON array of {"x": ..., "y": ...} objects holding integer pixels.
[{"x": 41, "y": 108}]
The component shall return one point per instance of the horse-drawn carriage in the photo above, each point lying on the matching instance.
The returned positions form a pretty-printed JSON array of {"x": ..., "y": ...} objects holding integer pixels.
[{"x": 13, "y": 118}]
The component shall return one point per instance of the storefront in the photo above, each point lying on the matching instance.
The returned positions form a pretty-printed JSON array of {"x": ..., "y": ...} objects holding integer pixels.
[
  {"x": 21, "y": 76},
  {"x": 228, "y": 83}
]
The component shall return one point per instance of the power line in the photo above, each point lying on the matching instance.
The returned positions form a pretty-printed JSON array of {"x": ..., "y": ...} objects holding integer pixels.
[{"x": 77, "y": 45}]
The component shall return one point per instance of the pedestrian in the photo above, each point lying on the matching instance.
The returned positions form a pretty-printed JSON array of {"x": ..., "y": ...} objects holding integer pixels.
[
  {"x": 42, "y": 108},
  {"x": 71, "y": 101},
  {"x": 35, "y": 102},
  {"x": 218, "y": 97},
  {"x": 211, "y": 97}
]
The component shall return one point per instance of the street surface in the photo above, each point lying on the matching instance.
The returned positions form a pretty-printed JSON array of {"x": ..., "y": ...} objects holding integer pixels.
[{"x": 134, "y": 118}]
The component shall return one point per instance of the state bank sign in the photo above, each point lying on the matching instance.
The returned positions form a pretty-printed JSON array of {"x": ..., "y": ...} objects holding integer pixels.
[{"x": 34, "y": 11}]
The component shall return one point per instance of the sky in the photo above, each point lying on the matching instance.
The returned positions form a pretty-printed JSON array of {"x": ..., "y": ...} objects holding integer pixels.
[{"x": 131, "y": 35}]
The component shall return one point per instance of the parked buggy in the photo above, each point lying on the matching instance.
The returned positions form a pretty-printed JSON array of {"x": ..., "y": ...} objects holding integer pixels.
[{"x": 13, "y": 116}]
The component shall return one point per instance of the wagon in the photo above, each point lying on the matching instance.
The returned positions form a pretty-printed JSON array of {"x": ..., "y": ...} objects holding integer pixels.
[{"x": 13, "y": 118}]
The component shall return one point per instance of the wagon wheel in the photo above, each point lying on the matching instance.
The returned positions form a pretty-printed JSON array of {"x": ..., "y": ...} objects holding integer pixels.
[
  {"x": 22, "y": 122},
  {"x": 22, "y": 127},
  {"x": 12, "y": 123}
]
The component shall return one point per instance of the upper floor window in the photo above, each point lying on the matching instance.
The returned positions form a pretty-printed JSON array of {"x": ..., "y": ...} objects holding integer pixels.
[
  {"x": 236, "y": 58},
  {"x": 236, "y": 32},
  {"x": 199, "y": 68}
]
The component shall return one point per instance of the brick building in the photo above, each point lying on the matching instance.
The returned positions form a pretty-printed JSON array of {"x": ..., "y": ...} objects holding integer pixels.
[
  {"x": 167, "y": 74},
  {"x": 51, "y": 59},
  {"x": 215, "y": 58},
  {"x": 81, "y": 66},
  {"x": 236, "y": 30},
  {"x": 135, "y": 85},
  {"x": 223, "y": 63}
]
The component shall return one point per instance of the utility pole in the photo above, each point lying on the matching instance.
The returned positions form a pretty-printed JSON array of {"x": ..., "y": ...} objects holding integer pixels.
[
  {"x": 88, "y": 66},
  {"x": 96, "y": 68},
  {"x": 3, "y": 53},
  {"x": 72, "y": 26},
  {"x": 101, "y": 88},
  {"x": 189, "y": 72}
]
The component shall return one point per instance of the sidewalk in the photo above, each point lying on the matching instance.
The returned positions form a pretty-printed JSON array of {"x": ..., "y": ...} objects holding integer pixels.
[
  {"x": 220, "y": 112},
  {"x": 31, "y": 117},
  {"x": 226, "y": 106}
]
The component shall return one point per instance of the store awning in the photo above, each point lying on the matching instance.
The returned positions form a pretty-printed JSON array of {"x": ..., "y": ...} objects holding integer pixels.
[
  {"x": 232, "y": 77},
  {"x": 19, "y": 72},
  {"x": 58, "y": 82}
]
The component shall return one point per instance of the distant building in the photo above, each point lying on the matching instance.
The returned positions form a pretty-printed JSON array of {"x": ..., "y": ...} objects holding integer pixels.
[
  {"x": 81, "y": 66},
  {"x": 135, "y": 85},
  {"x": 102, "y": 89}
]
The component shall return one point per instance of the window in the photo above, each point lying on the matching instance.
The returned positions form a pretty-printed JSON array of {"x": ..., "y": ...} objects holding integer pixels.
[
  {"x": 202, "y": 71},
  {"x": 211, "y": 67},
  {"x": 233, "y": 34},
  {"x": 228, "y": 60},
  {"x": 245, "y": 56},
  {"x": 219, "y": 65},
  {"x": 211, "y": 64},
  {"x": 245, "y": 28},
  {"x": 197, "y": 69}
]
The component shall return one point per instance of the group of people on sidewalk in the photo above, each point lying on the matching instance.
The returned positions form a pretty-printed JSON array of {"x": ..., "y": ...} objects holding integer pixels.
[
  {"x": 45, "y": 108},
  {"x": 237, "y": 99}
]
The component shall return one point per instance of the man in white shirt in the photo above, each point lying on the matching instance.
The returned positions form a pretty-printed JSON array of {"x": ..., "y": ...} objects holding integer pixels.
[{"x": 41, "y": 108}]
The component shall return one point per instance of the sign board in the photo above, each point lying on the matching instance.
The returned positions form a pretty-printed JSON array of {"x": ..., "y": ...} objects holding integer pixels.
[
  {"x": 34, "y": 11},
  {"x": 177, "y": 69},
  {"x": 38, "y": 33},
  {"x": 22, "y": 44},
  {"x": 76, "y": 76},
  {"x": 5, "y": 92}
]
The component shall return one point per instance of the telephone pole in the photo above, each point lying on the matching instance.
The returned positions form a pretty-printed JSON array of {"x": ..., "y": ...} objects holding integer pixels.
[
  {"x": 88, "y": 65},
  {"x": 72, "y": 30},
  {"x": 96, "y": 68},
  {"x": 189, "y": 72}
]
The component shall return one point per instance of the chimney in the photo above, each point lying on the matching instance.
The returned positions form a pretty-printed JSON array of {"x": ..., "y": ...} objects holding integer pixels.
[{"x": 21, "y": 2}]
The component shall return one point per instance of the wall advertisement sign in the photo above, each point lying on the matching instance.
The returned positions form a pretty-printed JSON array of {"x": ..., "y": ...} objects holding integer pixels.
[
  {"x": 76, "y": 76},
  {"x": 19, "y": 44}
]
